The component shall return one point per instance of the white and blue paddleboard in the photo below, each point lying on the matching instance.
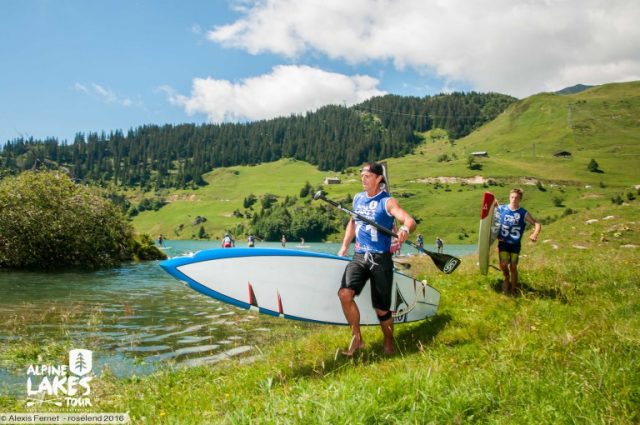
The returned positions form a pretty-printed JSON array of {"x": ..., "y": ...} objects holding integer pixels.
[{"x": 297, "y": 285}]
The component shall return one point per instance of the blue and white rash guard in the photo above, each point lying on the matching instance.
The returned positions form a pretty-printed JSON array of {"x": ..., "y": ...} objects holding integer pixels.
[
  {"x": 368, "y": 238},
  {"x": 512, "y": 224}
]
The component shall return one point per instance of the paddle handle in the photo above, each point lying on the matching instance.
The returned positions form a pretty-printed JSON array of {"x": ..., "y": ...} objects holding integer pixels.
[
  {"x": 446, "y": 263},
  {"x": 381, "y": 228}
]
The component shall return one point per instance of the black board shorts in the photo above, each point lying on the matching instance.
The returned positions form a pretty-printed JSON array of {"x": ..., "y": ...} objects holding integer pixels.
[
  {"x": 358, "y": 271},
  {"x": 509, "y": 247}
]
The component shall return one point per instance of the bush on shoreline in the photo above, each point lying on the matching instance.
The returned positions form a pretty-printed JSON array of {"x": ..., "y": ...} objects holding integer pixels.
[{"x": 49, "y": 222}]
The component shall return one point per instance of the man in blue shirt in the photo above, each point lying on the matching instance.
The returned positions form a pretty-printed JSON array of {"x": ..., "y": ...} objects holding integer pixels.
[
  {"x": 513, "y": 220},
  {"x": 372, "y": 258}
]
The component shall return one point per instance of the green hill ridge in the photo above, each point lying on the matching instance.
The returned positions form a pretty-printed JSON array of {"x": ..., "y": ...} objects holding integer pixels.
[{"x": 439, "y": 183}]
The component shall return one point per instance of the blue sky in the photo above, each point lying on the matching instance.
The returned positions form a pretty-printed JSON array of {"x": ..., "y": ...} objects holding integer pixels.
[{"x": 73, "y": 66}]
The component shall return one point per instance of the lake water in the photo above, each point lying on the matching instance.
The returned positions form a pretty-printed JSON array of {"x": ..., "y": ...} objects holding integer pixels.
[{"x": 135, "y": 318}]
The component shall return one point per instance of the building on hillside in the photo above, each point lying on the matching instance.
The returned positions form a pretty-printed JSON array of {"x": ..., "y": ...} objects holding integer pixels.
[
  {"x": 332, "y": 180},
  {"x": 480, "y": 153},
  {"x": 562, "y": 154}
]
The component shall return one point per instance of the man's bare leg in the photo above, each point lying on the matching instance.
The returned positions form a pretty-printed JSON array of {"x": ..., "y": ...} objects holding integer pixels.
[
  {"x": 507, "y": 280},
  {"x": 352, "y": 314},
  {"x": 387, "y": 332},
  {"x": 513, "y": 269}
]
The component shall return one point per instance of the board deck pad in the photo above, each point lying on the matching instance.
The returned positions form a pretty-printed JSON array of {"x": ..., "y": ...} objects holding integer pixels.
[{"x": 297, "y": 285}]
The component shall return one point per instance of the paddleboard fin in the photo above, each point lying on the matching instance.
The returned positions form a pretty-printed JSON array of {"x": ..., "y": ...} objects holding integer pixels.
[
  {"x": 252, "y": 296},
  {"x": 280, "y": 309}
]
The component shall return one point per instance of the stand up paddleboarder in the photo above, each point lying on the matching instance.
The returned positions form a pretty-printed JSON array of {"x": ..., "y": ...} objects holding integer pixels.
[{"x": 372, "y": 259}]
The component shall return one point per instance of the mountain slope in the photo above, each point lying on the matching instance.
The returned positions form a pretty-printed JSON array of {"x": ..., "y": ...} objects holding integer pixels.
[
  {"x": 574, "y": 89},
  {"x": 600, "y": 123}
]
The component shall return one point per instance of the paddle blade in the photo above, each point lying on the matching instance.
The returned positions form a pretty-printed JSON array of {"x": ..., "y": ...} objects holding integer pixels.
[
  {"x": 446, "y": 263},
  {"x": 319, "y": 195}
]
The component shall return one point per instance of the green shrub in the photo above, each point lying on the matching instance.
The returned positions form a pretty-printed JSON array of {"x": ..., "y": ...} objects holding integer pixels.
[
  {"x": 593, "y": 166},
  {"x": 617, "y": 200},
  {"x": 145, "y": 250},
  {"x": 249, "y": 201},
  {"x": 49, "y": 222}
]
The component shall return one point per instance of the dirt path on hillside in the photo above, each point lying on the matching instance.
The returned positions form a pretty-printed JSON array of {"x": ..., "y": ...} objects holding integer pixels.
[{"x": 527, "y": 181}]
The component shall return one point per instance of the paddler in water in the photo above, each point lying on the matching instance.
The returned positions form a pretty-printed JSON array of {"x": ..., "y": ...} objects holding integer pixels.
[
  {"x": 372, "y": 259},
  {"x": 227, "y": 241}
]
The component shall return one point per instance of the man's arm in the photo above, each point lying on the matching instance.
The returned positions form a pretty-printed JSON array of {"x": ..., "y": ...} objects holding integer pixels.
[
  {"x": 349, "y": 234},
  {"x": 408, "y": 223},
  {"x": 536, "y": 226}
]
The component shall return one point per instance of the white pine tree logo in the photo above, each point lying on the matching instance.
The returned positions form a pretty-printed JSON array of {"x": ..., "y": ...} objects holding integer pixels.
[{"x": 80, "y": 361}]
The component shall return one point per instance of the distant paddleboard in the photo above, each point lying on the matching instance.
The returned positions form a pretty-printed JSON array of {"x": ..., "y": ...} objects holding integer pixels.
[
  {"x": 487, "y": 233},
  {"x": 297, "y": 285}
]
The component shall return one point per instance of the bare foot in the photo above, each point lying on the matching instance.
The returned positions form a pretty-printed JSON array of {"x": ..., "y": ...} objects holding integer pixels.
[
  {"x": 356, "y": 344},
  {"x": 505, "y": 286}
]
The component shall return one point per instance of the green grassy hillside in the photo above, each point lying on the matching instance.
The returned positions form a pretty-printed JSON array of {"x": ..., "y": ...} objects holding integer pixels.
[
  {"x": 226, "y": 190},
  {"x": 601, "y": 123}
]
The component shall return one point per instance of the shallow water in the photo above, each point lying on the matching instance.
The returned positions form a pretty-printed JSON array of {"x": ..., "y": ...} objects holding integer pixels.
[{"x": 135, "y": 318}]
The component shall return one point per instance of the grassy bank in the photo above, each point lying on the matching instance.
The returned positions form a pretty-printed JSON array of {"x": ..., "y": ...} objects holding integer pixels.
[{"x": 566, "y": 350}]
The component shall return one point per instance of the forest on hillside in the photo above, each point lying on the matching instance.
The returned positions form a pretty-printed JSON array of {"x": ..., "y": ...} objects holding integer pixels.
[{"x": 332, "y": 138}]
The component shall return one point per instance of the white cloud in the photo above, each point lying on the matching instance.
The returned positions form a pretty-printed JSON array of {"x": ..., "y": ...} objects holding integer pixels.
[
  {"x": 512, "y": 46},
  {"x": 106, "y": 94},
  {"x": 287, "y": 89},
  {"x": 81, "y": 88}
]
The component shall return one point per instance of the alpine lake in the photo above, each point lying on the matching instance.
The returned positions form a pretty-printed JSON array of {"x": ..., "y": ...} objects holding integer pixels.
[{"x": 135, "y": 318}]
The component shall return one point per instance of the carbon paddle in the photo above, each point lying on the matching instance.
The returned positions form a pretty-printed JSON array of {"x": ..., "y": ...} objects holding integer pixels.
[{"x": 445, "y": 262}]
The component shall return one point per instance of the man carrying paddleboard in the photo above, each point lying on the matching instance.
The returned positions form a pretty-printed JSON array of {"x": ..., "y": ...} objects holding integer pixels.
[
  {"x": 513, "y": 220},
  {"x": 372, "y": 258}
]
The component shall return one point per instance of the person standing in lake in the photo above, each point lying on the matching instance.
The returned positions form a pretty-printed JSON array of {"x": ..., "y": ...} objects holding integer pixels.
[
  {"x": 372, "y": 259},
  {"x": 227, "y": 241},
  {"x": 513, "y": 220},
  {"x": 283, "y": 241},
  {"x": 439, "y": 244}
]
